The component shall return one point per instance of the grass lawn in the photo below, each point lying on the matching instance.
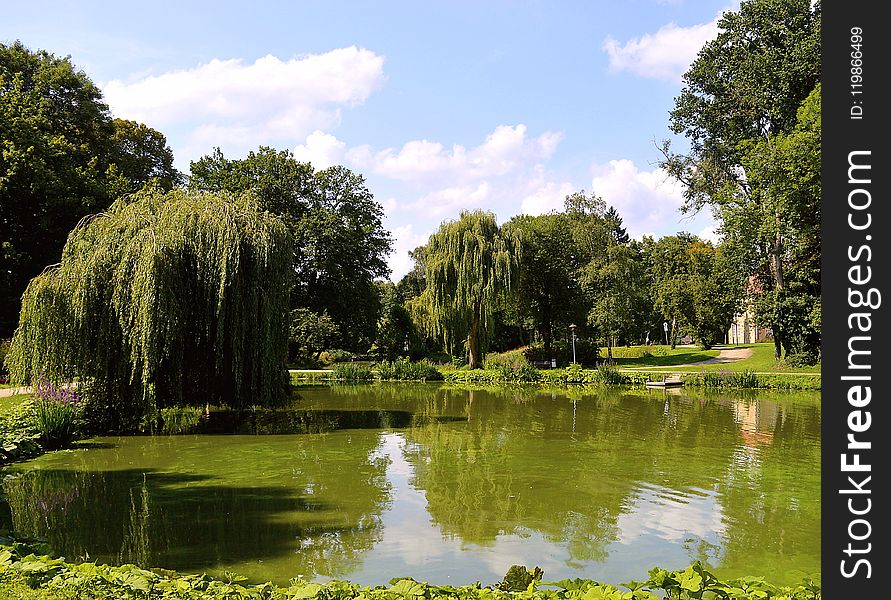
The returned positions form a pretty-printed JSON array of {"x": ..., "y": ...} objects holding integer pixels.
[
  {"x": 625, "y": 357},
  {"x": 761, "y": 361},
  {"x": 8, "y": 402}
]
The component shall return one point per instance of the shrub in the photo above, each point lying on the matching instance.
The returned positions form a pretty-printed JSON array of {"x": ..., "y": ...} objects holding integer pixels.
[
  {"x": 802, "y": 359},
  {"x": 609, "y": 375},
  {"x": 586, "y": 352},
  {"x": 514, "y": 359},
  {"x": 352, "y": 372},
  {"x": 402, "y": 369},
  {"x": 4, "y": 350},
  {"x": 523, "y": 373},
  {"x": 19, "y": 437},
  {"x": 57, "y": 414}
]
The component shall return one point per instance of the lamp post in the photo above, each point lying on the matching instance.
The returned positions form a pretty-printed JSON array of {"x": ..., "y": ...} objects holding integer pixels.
[{"x": 572, "y": 328}]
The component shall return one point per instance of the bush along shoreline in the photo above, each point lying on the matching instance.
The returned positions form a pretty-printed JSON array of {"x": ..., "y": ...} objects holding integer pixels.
[
  {"x": 573, "y": 374},
  {"x": 26, "y": 572}
]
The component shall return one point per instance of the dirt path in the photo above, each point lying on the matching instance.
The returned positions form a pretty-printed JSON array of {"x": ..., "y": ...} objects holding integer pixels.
[{"x": 14, "y": 391}]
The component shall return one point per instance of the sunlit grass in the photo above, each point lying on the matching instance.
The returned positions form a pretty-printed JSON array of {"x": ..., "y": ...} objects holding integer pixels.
[{"x": 761, "y": 361}]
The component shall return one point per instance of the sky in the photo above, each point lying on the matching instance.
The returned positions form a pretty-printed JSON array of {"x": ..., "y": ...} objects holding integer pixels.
[{"x": 506, "y": 106}]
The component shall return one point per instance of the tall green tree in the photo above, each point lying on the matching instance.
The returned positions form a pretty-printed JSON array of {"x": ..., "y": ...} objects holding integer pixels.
[
  {"x": 142, "y": 154},
  {"x": 617, "y": 284},
  {"x": 548, "y": 291},
  {"x": 340, "y": 244},
  {"x": 786, "y": 174},
  {"x": 670, "y": 269},
  {"x": 471, "y": 267},
  {"x": 62, "y": 158},
  {"x": 163, "y": 299},
  {"x": 697, "y": 287},
  {"x": 742, "y": 93}
]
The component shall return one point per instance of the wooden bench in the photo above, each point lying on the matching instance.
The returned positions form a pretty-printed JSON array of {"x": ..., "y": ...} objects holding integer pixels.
[{"x": 542, "y": 364}]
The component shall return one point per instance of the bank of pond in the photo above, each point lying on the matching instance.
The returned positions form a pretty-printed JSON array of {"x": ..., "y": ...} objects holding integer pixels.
[
  {"x": 574, "y": 374},
  {"x": 450, "y": 484}
]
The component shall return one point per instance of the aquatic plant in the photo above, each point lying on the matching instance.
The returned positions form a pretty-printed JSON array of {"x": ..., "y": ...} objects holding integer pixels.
[
  {"x": 44, "y": 577},
  {"x": 57, "y": 414}
]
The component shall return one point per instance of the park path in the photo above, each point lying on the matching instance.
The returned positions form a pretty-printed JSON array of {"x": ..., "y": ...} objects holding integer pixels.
[
  {"x": 726, "y": 355},
  {"x": 13, "y": 391}
]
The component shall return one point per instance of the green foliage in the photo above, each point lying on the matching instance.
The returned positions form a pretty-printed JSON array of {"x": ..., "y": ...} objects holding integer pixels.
[
  {"x": 57, "y": 414},
  {"x": 56, "y": 578},
  {"x": 471, "y": 266},
  {"x": 696, "y": 286},
  {"x": 396, "y": 333},
  {"x": 402, "y": 369},
  {"x": 62, "y": 158},
  {"x": 4, "y": 350},
  {"x": 587, "y": 352},
  {"x": 19, "y": 436},
  {"x": 609, "y": 375},
  {"x": 640, "y": 351},
  {"x": 330, "y": 357},
  {"x": 548, "y": 293},
  {"x": 339, "y": 243},
  {"x": 750, "y": 109},
  {"x": 515, "y": 359},
  {"x": 352, "y": 372},
  {"x": 143, "y": 154},
  {"x": 618, "y": 284},
  {"x": 308, "y": 333},
  {"x": 163, "y": 299},
  {"x": 518, "y": 578}
]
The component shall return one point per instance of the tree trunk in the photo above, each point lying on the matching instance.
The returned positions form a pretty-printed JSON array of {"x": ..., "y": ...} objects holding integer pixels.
[
  {"x": 547, "y": 335},
  {"x": 777, "y": 268},
  {"x": 673, "y": 333},
  {"x": 473, "y": 341}
]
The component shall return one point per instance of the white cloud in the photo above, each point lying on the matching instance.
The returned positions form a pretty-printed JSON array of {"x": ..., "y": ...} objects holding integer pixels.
[
  {"x": 546, "y": 197},
  {"x": 665, "y": 54},
  {"x": 672, "y": 515},
  {"x": 321, "y": 149},
  {"x": 230, "y": 102},
  {"x": 389, "y": 205},
  {"x": 451, "y": 201},
  {"x": 710, "y": 233},
  {"x": 422, "y": 161},
  {"x": 404, "y": 240},
  {"x": 647, "y": 201}
]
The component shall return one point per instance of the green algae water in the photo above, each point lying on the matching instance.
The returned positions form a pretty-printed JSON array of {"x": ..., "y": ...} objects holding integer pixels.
[{"x": 447, "y": 485}]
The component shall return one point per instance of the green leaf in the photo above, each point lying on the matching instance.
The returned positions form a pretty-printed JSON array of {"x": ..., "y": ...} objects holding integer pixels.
[
  {"x": 409, "y": 588},
  {"x": 307, "y": 590}
]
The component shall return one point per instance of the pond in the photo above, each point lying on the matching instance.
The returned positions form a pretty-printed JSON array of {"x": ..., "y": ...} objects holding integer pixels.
[{"x": 447, "y": 485}]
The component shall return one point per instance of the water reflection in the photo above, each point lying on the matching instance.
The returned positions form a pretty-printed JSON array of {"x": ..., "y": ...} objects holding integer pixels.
[{"x": 438, "y": 482}]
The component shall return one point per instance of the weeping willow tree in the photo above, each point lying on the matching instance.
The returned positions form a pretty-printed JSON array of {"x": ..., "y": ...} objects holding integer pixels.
[
  {"x": 165, "y": 299},
  {"x": 471, "y": 266}
]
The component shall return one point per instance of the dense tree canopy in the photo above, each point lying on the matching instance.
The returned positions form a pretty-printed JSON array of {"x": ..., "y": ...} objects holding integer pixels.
[
  {"x": 697, "y": 286},
  {"x": 340, "y": 244},
  {"x": 548, "y": 291},
  {"x": 163, "y": 299},
  {"x": 471, "y": 267},
  {"x": 740, "y": 100},
  {"x": 62, "y": 158},
  {"x": 617, "y": 284},
  {"x": 144, "y": 156}
]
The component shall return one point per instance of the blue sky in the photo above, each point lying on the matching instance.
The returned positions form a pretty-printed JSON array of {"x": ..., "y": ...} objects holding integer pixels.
[{"x": 442, "y": 106}]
